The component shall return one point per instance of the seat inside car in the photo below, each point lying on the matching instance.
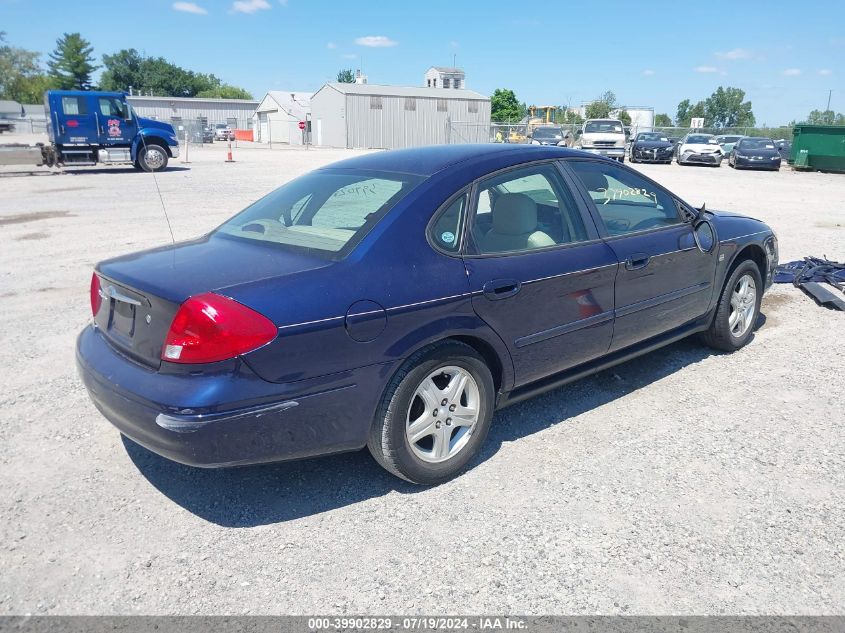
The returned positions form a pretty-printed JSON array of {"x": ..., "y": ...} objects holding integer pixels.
[
  {"x": 514, "y": 226},
  {"x": 594, "y": 181}
]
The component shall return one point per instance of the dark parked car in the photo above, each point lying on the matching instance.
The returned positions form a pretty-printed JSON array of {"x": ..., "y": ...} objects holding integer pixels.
[
  {"x": 395, "y": 300},
  {"x": 548, "y": 135},
  {"x": 208, "y": 134},
  {"x": 652, "y": 147},
  {"x": 754, "y": 152},
  {"x": 784, "y": 149}
]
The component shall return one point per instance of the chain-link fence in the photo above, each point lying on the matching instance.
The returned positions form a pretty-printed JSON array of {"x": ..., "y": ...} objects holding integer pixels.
[
  {"x": 204, "y": 131},
  {"x": 471, "y": 132}
]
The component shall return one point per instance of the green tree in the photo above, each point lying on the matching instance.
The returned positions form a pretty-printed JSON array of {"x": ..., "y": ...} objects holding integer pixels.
[
  {"x": 225, "y": 91},
  {"x": 601, "y": 107},
  {"x": 623, "y": 116},
  {"x": 71, "y": 64},
  {"x": 345, "y": 76},
  {"x": 129, "y": 68},
  {"x": 568, "y": 116},
  {"x": 825, "y": 117},
  {"x": 662, "y": 120},
  {"x": 21, "y": 77},
  {"x": 686, "y": 112},
  {"x": 726, "y": 108},
  {"x": 504, "y": 106}
]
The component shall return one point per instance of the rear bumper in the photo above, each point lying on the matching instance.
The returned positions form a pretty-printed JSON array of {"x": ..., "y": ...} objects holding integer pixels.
[{"x": 228, "y": 418}]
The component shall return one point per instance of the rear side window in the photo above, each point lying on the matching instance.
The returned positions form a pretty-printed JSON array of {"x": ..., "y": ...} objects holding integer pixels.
[
  {"x": 625, "y": 201},
  {"x": 74, "y": 106},
  {"x": 447, "y": 229},
  {"x": 325, "y": 211},
  {"x": 525, "y": 209}
]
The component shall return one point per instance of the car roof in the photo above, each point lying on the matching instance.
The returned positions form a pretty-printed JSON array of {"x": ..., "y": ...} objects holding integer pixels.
[{"x": 431, "y": 159}]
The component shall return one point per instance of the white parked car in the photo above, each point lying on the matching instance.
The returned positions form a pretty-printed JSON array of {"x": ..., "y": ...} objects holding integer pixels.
[
  {"x": 605, "y": 137},
  {"x": 699, "y": 149},
  {"x": 222, "y": 132}
]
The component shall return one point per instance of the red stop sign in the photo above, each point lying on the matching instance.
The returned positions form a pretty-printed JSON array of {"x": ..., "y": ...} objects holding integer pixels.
[{"x": 302, "y": 125}]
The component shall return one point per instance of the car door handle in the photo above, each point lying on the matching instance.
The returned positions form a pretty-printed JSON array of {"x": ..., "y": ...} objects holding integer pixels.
[
  {"x": 637, "y": 261},
  {"x": 500, "y": 288}
]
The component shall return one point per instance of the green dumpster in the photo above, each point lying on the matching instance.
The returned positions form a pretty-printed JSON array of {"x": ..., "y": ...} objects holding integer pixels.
[{"x": 819, "y": 147}]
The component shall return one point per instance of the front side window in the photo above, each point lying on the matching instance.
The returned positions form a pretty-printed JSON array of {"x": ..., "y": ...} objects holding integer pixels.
[
  {"x": 112, "y": 107},
  {"x": 326, "y": 212},
  {"x": 625, "y": 201},
  {"x": 523, "y": 210},
  {"x": 74, "y": 106}
]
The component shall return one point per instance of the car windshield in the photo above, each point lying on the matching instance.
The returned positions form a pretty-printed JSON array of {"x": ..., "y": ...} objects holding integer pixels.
[
  {"x": 547, "y": 132},
  {"x": 326, "y": 212},
  {"x": 757, "y": 143},
  {"x": 702, "y": 139},
  {"x": 613, "y": 127},
  {"x": 729, "y": 139},
  {"x": 651, "y": 136},
  {"x": 221, "y": 126}
]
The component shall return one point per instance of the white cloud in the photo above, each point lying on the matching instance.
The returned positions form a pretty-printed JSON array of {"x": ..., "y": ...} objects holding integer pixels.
[
  {"x": 736, "y": 53},
  {"x": 376, "y": 41},
  {"x": 331, "y": 46},
  {"x": 706, "y": 69},
  {"x": 189, "y": 7},
  {"x": 824, "y": 72},
  {"x": 249, "y": 6},
  {"x": 648, "y": 72},
  {"x": 791, "y": 72}
]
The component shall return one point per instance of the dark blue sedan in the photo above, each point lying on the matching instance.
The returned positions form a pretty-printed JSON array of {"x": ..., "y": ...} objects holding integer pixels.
[{"x": 397, "y": 299}]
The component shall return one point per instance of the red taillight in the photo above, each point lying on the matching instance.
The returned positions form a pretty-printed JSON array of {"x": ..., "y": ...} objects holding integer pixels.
[
  {"x": 96, "y": 297},
  {"x": 209, "y": 327}
]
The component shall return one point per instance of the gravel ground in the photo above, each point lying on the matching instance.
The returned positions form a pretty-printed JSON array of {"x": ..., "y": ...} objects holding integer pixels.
[{"x": 681, "y": 482}]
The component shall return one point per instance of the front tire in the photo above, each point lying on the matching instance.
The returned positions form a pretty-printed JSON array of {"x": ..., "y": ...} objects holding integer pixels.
[
  {"x": 152, "y": 157},
  {"x": 435, "y": 414},
  {"x": 737, "y": 310}
]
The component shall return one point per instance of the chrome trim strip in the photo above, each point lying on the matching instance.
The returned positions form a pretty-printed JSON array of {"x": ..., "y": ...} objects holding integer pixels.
[
  {"x": 566, "y": 328},
  {"x": 189, "y": 424},
  {"x": 659, "y": 300},
  {"x": 112, "y": 293},
  {"x": 739, "y": 237}
]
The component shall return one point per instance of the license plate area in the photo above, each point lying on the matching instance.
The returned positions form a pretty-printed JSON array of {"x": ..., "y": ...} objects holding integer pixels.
[{"x": 123, "y": 319}]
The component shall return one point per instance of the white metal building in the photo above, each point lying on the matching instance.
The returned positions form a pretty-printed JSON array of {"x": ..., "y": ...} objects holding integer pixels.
[
  {"x": 236, "y": 112},
  {"x": 442, "y": 77},
  {"x": 389, "y": 117},
  {"x": 277, "y": 117}
]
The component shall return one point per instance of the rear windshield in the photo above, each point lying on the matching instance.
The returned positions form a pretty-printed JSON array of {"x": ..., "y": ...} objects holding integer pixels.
[
  {"x": 327, "y": 212},
  {"x": 602, "y": 126}
]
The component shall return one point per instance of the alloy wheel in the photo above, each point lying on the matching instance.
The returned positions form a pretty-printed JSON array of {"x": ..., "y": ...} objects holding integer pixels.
[
  {"x": 743, "y": 305},
  {"x": 443, "y": 414}
]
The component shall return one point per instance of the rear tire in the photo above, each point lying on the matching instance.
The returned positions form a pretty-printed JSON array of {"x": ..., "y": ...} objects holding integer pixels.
[
  {"x": 152, "y": 157},
  {"x": 448, "y": 436},
  {"x": 737, "y": 310}
]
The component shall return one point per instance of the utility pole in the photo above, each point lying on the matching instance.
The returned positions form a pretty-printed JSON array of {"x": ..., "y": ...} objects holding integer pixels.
[{"x": 829, "y": 92}]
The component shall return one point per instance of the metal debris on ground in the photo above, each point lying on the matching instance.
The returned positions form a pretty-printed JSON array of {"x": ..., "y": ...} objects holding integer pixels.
[{"x": 810, "y": 274}]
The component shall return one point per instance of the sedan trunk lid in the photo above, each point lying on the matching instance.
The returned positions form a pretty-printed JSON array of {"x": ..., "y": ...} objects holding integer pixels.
[{"x": 141, "y": 292}]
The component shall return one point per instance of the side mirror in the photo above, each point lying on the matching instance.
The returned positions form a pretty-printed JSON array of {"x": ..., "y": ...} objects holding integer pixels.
[{"x": 704, "y": 234}]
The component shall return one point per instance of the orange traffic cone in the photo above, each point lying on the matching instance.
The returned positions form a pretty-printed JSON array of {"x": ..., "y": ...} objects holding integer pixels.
[{"x": 229, "y": 158}]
